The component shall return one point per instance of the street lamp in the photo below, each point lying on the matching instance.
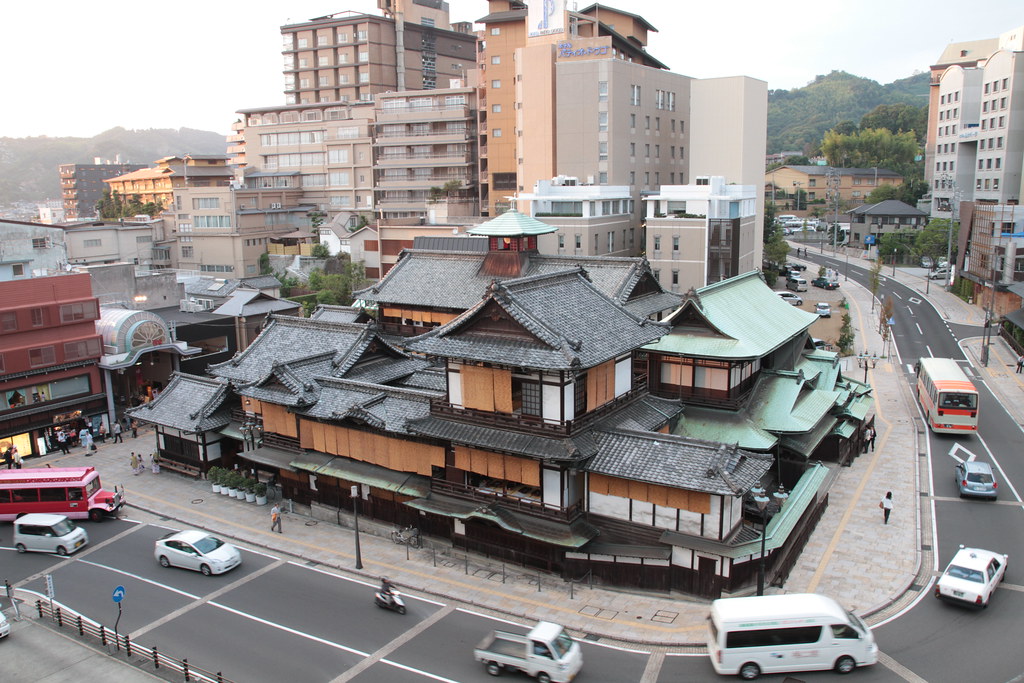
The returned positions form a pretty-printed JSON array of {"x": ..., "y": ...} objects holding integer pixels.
[
  {"x": 355, "y": 512},
  {"x": 252, "y": 432},
  {"x": 894, "y": 261},
  {"x": 762, "y": 505},
  {"x": 796, "y": 194}
]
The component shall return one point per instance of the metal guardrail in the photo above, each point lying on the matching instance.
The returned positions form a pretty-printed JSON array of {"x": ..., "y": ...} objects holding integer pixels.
[{"x": 86, "y": 628}]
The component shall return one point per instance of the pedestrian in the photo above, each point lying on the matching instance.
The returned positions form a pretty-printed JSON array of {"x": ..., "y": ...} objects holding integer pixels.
[
  {"x": 1020, "y": 363},
  {"x": 8, "y": 459},
  {"x": 16, "y": 456},
  {"x": 85, "y": 437},
  {"x": 101, "y": 435},
  {"x": 62, "y": 441},
  {"x": 134, "y": 462},
  {"x": 886, "y": 505},
  {"x": 275, "y": 518},
  {"x": 154, "y": 462},
  {"x": 865, "y": 439},
  {"x": 135, "y": 429},
  {"x": 871, "y": 440},
  {"x": 115, "y": 429}
]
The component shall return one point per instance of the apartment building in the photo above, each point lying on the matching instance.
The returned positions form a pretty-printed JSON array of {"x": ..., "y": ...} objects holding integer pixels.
[
  {"x": 800, "y": 188},
  {"x": 81, "y": 186},
  {"x": 590, "y": 220},
  {"x": 975, "y": 147},
  {"x": 350, "y": 56},
  {"x": 157, "y": 184},
  {"x": 702, "y": 233},
  {"x": 582, "y": 97},
  {"x": 141, "y": 241},
  {"x": 424, "y": 150}
]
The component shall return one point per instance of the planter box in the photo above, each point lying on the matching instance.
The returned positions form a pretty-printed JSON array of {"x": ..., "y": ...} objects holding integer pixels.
[{"x": 250, "y": 497}]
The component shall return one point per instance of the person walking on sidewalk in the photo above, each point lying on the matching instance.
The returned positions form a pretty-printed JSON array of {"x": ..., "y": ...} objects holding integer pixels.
[
  {"x": 16, "y": 457},
  {"x": 275, "y": 518},
  {"x": 85, "y": 437},
  {"x": 154, "y": 462},
  {"x": 871, "y": 438},
  {"x": 134, "y": 462},
  {"x": 1020, "y": 363},
  {"x": 886, "y": 505},
  {"x": 135, "y": 429},
  {"x": 115, "y": 429},
  {"x": 62, "y": 441}
]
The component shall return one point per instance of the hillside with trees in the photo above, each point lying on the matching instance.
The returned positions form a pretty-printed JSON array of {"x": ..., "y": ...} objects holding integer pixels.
[
  {"x": 798, "y": 119},
  {"x": 28, "y": 166}
]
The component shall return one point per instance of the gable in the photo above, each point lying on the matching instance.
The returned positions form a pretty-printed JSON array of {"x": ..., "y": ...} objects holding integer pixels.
[
  {"x": 494, "y": 321},
  {"x": 644, "y": 286}
]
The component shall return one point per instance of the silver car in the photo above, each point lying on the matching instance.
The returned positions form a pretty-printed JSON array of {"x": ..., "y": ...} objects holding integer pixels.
[
  {"x": 198, "y": 551},
  {"x": 976, "y": 480}
]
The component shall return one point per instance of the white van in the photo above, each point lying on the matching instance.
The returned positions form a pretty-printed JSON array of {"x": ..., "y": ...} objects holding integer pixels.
[
  {"x": 797, "y": 284},
  {"x": 785, "y": 633},
  {"x": 48, "y": 534}
]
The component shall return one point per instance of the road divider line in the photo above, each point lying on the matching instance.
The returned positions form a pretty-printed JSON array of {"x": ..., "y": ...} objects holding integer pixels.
[
  {"x": 388, "y": 648},
  {"x": 143, "y": 579},
  {"x": 204, "y": 600},
  {"x": 286, "y": 629},
  {"x": 898, "y": 669}
]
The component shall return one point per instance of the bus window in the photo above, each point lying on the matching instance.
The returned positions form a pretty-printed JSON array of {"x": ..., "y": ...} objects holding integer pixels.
[
  {"x": 962, "y": 401},
  {"x": 25, "y": 495},
  {"x": 75, "y": 494},
  {"x": 52, "y": 495},
  {"x": 844, "y": 631}
]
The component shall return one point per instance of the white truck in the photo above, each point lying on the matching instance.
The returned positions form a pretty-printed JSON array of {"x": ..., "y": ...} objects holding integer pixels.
[{"x": 547, "y": 653}]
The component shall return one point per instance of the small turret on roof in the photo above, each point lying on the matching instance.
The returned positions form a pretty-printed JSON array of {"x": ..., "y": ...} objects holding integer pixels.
[{"x": 512, "y": 237}]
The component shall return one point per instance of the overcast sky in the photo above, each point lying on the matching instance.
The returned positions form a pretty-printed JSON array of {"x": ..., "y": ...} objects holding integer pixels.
[{"x": 79, "y": 68}]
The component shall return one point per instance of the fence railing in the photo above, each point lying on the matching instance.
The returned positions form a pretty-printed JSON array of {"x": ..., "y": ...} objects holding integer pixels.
[{"x": 116, "y": 643}]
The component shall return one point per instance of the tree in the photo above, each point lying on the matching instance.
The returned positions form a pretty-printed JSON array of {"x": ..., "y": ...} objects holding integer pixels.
[
  {"x": 898, "y": 118},
  {"x": 770, "y": 227},
  {"x": 883, "y": 192},
  {"x": 875, "y": 280},
  {"x": 320, "y": 250},
  {"x": 846, "y": 334},
  {"x": 873, "y": 148},
  {"x": 265, "y": 264},
  {"x": 934, "y": 240}
]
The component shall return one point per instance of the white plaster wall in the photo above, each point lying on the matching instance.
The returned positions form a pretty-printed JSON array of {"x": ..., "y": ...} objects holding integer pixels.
[
  {"x": 609, "y": 506},
  {"x": 665, "y": 517},
  {"x": 552, "y": 483},
  {"x": 455, "y": 389},
  {"x": 623, "y": 373},
  {"x": 689, "y": 522},
  {"x": 569, "y": 401},
  {"x": 550, "y": 400}
]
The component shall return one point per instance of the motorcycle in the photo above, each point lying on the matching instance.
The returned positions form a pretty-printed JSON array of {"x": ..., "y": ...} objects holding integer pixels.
[{"x": 392, "y": 601}]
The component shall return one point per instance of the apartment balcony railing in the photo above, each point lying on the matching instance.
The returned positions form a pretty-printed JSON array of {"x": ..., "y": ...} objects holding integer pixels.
[{"x": 419, "y": 157}]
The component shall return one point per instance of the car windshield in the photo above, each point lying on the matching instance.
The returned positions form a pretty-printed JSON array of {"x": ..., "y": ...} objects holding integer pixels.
[
  {"x": 562, "y": 644},
  {"x": 207, "y": 544},
  {"x": 979, "y": 477},
  {"x": 958, "y": 572},
  {"x": 63, "y": 527}
]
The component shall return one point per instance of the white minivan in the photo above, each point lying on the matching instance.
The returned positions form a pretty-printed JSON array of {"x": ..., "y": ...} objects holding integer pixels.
[
  {"x": 48, "y": 534},
  {"x": 786, "y": 633}
]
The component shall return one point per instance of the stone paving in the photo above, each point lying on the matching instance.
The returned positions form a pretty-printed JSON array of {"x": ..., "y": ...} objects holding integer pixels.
[{"x": 852, "y": 556}]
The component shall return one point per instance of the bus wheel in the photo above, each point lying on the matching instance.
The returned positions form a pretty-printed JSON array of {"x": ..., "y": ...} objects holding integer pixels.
[
  {"x": 750, "y": 671},
  {"x": 845, "y": 664},
  {"x": 95, "y": 515}
]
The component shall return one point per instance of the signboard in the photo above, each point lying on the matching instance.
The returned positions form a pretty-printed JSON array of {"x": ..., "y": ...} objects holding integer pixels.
[
  {"x": 870, "y": 239},
  {"x": 49, "y": 586},
  {"x": 118, "y": 595},
  {"x": 545, "y": 17}
]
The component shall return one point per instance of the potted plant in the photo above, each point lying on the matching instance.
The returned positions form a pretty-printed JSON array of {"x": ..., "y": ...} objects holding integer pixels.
[
  {"x": 249, "y": 485},
  {"x": 261, "y": 493},
  {"x": 231, "y": 481},
  {"x": 215, "y": 475}
]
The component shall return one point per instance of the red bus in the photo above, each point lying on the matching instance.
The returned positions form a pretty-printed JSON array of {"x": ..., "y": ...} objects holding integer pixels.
[
  {"x": 72, "y": 491},
  {"x": 948, "y": 398}
]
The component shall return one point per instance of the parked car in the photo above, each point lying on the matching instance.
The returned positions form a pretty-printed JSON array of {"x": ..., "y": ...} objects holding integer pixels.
[
  {"x": 824, "y": 283},
  {"x": 791, "y": 298},
  {"x": 971, "y": 577},
  {"x": 823, "y": 309},
  {"x": 198, "y": 551},
  {"x": 976, "y": 479},
  {"x": 926, "y": 262},
  {"x": 940, "y": 273},
  {"x": 796, "y": 266},
  {"x": 797, "y": 284}
]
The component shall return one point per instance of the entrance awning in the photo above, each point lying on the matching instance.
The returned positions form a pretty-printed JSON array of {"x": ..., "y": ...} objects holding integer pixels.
[
  {"x": 405, "y": 483},
  {"x": 566, "y": 534},
  {"x": 267, "y": 455}
]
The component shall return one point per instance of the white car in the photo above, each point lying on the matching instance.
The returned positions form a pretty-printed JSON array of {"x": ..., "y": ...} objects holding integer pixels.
[
  {"x": 790, "y": 298},
  {"x": 198, "y": 551},
  {"x": 823, "y": 309},
  {"x": 971, "y": 577}
]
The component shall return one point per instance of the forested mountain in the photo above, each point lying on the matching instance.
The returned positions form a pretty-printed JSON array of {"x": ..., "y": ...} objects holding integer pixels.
[
  {"x": 798, "y": 118},
  {"x": 28, "y": 166}
]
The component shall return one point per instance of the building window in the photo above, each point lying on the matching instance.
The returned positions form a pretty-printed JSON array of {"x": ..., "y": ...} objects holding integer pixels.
[
  {"x": 85, "y": 310},
  {"x": 39, "y": 317},
  {"x": 579, "y": 242},
  {"x": 634, "y": 95},
  {"x": 496, "y": 133},
  {"x": 92, "y": 243},
  {"x": 632, "y": 149},
  {"x": 602, "y": 121},
  {"x": 602, "y": 91},
  {"x": 495, "y": 108},
  {"x": 206, "y": 203},
  {"x": 602, "y": 178},
  {"x": 632, "y": 177},
  {"x": 496, "y": 59},
  {"x": 657, "y": 243},
  {"x": 561, "y": 241},
  {"x": 632, "y": 121},
  {"x": 675, "y": 278},
  {"x": 602, "y": 151},
  {"x": 675, "y": 243},
  {"x": 8, "y": 322},
  {"x": 647, "y": 123},
  {"x": 496, "y": 83},
  {"x": 496, "y": 31},
  {"x": 611, "y": 241},
  {"x": 81, "y": 349},
  {"x": 41, "y": 356},
  {"x": 186, "y": 252},
  {"x": 40, "y": 242}
]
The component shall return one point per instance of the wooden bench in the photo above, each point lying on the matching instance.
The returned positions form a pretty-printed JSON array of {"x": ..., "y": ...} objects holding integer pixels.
[{"x": 181, "y": 468}]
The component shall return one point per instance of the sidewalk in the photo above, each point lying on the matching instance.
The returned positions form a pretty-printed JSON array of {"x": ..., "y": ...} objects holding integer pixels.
[{"x": 842, "y": 557}]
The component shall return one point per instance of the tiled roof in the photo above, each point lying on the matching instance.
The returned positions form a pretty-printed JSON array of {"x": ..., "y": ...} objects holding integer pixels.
[
  {"x": 573, "y": 325},
  {"x": 388, "y": 409},
  {"x": 210, "y": 287},
  {"x": 428, "y": 379},
  {"x": 190, "y": 403},
  {"x": 552, "y": 448},
  {"x": 447, "y": 280},
  {"x": 245, "y": 302},
  {"x": 782, "y": 402},
  {"x": 287, "y": 339},
  {"x": 261, "y": 282},
  {"x": 889, "y": 207},
  {"x": 648, "y": 413},
  {"x": 336, "y": 314},
  {"x": 746, "y": 319},
  {"x": 724, "y": 426},
  {"x": 678, "y": 462},
  {"x": 823, "y": 170}
]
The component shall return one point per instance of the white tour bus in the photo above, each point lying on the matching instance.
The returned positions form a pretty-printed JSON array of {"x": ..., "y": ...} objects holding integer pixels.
[{"x": 786, "y": 633}]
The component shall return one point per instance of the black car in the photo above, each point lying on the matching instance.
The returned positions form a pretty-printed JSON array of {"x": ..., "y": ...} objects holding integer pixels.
[{"x": 795, "y": 266}]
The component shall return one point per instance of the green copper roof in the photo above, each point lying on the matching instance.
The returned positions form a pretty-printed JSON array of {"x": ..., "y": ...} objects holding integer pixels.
[
  {"x": 724, "y": 426},
  {"x": 785, "y": 403},
  {"x": 746, "y": 319},
  {"x": 511, "y": 224}
]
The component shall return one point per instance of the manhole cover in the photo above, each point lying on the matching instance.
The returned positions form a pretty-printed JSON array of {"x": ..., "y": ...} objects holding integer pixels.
[
  {"x": 197, "y": 501},
  {"x": 311, "y": 522}
]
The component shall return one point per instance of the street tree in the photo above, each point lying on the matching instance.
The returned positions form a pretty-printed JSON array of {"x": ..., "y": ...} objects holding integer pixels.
[
  {"x": 933, "y": 241},
  {"x": 875, "y": 280}
]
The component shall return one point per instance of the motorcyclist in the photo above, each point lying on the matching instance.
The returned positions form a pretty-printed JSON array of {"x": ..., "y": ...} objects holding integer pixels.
[{"x": 386, "y": 588}]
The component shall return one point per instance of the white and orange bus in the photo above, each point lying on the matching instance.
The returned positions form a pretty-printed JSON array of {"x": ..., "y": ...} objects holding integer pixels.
[
  {"x": 948, "y": 398},
  {"x": 75, "y": 492}
]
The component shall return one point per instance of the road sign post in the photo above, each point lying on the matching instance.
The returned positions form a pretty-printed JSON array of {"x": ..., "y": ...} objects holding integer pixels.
[{"x": 117, "y": 597}]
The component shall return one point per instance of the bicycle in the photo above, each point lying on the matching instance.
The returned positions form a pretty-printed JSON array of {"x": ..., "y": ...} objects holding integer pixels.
[{"x": 409, "y": 536}]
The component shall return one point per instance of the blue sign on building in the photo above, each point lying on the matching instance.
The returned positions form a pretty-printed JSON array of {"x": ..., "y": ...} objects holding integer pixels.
[{"x": 870, "y": 239}]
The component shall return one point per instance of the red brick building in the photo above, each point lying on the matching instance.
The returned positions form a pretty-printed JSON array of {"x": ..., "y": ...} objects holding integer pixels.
[{"x": 49, "y": 348}]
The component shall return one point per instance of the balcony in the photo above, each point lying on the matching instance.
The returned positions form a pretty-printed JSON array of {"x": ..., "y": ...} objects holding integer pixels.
[
  {"x": 411, "y": 113},
  {"x": 441, "y": 137},
  {"x": 419, "y": 159},
  {"x": 512, "y": 502}
]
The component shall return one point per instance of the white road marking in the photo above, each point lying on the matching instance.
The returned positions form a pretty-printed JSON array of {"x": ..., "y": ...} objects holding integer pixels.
[
  {"x": 1006, "y": 480},
  {"x": 295, "y": 632},
  {"x": 919, "y": 330},
  {"x": 141, "y": 578}
]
